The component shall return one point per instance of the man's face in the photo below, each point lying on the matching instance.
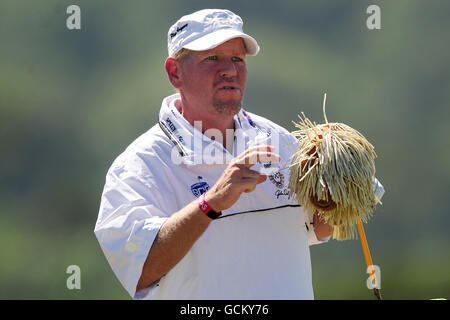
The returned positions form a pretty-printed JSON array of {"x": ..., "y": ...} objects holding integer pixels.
[{"x": 215, "y": 79}]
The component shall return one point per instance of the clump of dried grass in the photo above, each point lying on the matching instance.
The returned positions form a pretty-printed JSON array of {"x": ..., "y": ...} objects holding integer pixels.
[{"x": 332, "y": 172}]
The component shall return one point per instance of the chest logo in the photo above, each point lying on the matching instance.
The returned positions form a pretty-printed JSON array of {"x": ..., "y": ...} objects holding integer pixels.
[
  {"x": 277, "y": 179},
  {"x": 200, "y": 187}
]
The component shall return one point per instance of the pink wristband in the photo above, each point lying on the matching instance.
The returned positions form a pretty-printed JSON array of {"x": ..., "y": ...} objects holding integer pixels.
[{"x": 206, "y": 209}]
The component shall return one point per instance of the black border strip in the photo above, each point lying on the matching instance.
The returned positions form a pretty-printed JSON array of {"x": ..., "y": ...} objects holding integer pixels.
[{"x": 259, "y": 210}]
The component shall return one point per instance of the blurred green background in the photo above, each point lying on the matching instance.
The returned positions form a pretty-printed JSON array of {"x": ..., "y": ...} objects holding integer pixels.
[{"x": 72, "y": 100}]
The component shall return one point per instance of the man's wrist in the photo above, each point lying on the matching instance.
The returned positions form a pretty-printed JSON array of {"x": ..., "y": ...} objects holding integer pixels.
[
  {"x": 206, "y": 207},
  {"x": 213, "y": 201}
]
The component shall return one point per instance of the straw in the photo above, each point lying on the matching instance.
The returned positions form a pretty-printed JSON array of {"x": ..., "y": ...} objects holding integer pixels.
[{"x": 331, "y": 172}]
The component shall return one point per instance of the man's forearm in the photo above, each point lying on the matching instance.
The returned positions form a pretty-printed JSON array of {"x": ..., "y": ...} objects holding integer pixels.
[{"x": 176, "y": 236}]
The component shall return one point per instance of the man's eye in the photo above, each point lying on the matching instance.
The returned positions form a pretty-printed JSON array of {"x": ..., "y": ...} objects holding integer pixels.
[
  {"x": 237, "y": 59},
  {"x": 212, "y": 58}
]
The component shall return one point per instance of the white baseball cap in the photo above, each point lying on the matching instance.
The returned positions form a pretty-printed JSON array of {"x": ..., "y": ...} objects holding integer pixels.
[{"x": 206, "y": 29}]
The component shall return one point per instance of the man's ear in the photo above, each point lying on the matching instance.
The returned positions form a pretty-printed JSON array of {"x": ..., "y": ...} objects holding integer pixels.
[{"x": 173, "y": 72}]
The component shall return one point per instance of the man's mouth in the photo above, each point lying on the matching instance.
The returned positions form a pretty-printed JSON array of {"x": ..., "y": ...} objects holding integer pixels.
[{"x": 229, "y": 88}]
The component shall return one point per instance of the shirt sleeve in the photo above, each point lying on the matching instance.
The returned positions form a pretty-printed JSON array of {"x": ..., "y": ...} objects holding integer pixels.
[{"x": 129, "y": 219}]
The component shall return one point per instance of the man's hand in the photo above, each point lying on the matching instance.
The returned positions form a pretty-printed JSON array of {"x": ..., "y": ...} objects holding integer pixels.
[
  {"x": 321, "y": 228},
  {"x": 238, "y": 177}
]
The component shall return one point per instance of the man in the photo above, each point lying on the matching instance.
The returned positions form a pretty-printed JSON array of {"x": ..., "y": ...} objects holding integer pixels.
[{"x": 183, "y": 214}]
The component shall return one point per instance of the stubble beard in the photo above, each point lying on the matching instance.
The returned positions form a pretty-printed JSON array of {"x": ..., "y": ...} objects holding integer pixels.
[{"x": 228, "y": 108}]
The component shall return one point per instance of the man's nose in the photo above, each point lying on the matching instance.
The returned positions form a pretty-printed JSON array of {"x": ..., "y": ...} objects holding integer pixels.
[{"x": 228, "y": 69}]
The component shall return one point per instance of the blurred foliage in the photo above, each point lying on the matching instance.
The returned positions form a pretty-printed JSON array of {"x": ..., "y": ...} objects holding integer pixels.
[{"x": 71, "y": 101}]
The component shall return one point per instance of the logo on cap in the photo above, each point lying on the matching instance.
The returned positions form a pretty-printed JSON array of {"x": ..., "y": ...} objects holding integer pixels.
[{"x": 173, "y": 34}]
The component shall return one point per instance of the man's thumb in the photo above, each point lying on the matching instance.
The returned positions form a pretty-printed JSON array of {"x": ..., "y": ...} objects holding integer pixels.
[{"x": 262, "y": 178}]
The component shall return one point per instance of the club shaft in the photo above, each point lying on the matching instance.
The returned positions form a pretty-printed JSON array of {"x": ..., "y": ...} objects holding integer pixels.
[{"x": 368, "y": 258}]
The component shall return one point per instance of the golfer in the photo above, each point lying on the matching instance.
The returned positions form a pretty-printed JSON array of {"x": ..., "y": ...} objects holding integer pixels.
[{"x": 198, "y": 207}]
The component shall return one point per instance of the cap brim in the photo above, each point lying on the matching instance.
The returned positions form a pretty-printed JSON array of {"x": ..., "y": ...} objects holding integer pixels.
[{"x": 218, "y": 37}]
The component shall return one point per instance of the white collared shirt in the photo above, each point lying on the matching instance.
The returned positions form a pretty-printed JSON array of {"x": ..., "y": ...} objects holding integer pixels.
[{"x": 258, "y": 249}]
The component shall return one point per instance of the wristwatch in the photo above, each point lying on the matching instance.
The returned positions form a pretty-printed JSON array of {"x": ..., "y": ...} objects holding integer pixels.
[{"x": 206, "y": 209}]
